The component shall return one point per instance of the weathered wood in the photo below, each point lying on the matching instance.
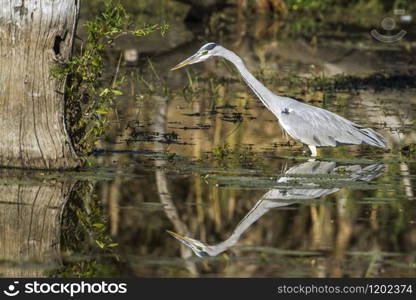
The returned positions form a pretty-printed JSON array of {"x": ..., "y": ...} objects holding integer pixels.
[
  {"x": 30, "y": 225},
  {"x": 35, "y": 37}
]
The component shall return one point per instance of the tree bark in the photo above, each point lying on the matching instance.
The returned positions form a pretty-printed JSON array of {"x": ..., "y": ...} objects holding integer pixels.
[{"x": 35, "y": 37}]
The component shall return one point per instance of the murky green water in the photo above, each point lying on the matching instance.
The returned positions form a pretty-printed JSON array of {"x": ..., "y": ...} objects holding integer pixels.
[{"x": 195, "y": 153}]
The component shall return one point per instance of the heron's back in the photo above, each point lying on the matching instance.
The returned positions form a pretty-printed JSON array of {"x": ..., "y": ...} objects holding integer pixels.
[{"x": 319, "y": 127}]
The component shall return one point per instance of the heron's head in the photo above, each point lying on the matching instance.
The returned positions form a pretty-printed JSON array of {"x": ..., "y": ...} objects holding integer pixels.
[
  {"x": 205, "y": 52},
  {"x": 200, "y": 249}
]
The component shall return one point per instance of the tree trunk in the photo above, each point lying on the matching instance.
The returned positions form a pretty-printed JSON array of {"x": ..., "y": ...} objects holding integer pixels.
[{"x": 35, "y": 37}]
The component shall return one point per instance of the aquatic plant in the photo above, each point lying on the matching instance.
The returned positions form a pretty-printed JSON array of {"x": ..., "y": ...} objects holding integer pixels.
[{"x": 89, "y": 96}]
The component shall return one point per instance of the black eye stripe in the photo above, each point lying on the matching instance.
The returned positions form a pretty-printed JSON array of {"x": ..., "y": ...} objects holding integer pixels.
[{"x": 210, "y": 46}]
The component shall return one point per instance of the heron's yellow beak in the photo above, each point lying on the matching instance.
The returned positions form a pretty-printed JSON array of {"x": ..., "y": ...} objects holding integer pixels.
[
  {"x": 178, "y": 66},
  {"x": 188, "y": 61},
  {"x": 178, "y": 236}
]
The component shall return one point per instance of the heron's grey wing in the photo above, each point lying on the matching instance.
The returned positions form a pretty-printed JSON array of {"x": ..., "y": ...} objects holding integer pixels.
[
  {"x": 365, "y": 173},
  {"x": 318, "y": 127}
]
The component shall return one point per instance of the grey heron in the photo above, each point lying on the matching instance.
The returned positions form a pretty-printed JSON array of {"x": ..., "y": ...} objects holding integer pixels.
[
  {"x": 310, "y": 125},
  {"x": 298, "y": 185}
]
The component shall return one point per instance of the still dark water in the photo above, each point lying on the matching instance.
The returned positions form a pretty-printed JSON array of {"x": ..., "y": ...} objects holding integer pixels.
[{"x": 193, "y": 152}]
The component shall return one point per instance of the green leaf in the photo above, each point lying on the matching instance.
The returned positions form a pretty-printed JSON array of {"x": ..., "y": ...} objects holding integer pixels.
[
  {"x": 102, "y": 111},
  {"x": 116, "y": 92},
  {"x": 105, "y": 92},
  {"x": 100, "y": 244},
  {"x": 98, "y": 225}
]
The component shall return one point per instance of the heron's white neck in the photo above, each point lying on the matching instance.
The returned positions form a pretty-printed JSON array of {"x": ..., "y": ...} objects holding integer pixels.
[
  {"x": 260, "y": 208},
  {"x": 263, "y": 93},
  {"x": 255, "y": 213}
]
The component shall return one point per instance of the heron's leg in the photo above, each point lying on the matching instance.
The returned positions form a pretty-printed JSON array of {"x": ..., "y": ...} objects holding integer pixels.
[{"x": 313, "y": 150}]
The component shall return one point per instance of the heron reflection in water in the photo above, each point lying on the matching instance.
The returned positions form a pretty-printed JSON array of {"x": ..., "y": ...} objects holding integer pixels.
[{"x": 307, "y": 190}]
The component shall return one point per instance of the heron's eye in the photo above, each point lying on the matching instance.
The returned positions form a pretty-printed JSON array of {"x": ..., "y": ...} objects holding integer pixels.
[{"x": 205, "y": 52}]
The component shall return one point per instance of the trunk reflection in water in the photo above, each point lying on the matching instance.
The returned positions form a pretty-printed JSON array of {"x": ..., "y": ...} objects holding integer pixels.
[
  {"x": 162, "y": 182},
  {"x": 30, "y": 218},
  {"x": 295, "y": 189}
]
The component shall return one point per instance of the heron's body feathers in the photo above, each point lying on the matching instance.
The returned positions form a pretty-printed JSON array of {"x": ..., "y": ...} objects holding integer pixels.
[{"x": 318, "y": 127}]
